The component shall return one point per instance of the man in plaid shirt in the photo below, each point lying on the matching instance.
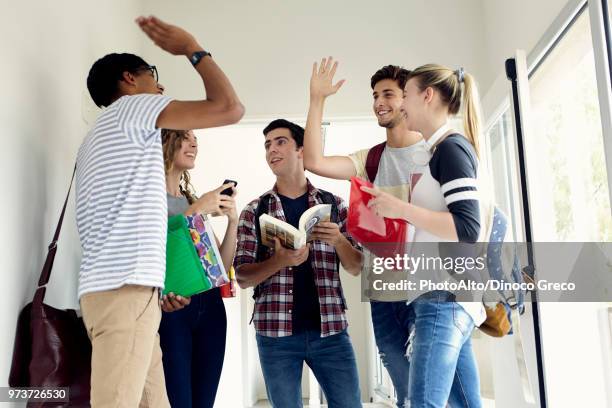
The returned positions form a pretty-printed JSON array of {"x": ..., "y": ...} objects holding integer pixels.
[{"x": 299, "y": 305}]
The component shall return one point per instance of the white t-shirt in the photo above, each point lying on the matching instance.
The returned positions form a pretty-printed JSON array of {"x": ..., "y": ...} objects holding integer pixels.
[
  {"x": 121, "y": 206},
  {"x": 398, "y": 172}
]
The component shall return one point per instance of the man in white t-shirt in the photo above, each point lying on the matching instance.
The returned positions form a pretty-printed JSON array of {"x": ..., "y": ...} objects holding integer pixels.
[
  {"x": 397, "y": 173},
  {"x": 122, "y": 215}
]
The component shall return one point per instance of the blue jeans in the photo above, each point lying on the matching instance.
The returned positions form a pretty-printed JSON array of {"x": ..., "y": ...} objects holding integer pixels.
[
  {"x": 392, "y": 323},
  {"x": 193, "y": 348},
  {"x": 442, "y": 365},
  {"x": 331, "y": 359}
]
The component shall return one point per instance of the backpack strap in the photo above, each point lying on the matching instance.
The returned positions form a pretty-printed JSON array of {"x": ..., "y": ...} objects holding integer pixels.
[
  {"x": 328, "y": 198},
  {"x": 262, "y": 208},
  {"x": 373, "y": 160}
]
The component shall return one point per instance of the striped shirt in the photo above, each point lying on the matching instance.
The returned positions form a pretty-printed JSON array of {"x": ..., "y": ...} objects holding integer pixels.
[{"x": 121, "y": 206}]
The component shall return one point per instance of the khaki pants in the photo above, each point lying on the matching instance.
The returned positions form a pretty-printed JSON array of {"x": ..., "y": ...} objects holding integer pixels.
[{"x": 126, "y": 363}]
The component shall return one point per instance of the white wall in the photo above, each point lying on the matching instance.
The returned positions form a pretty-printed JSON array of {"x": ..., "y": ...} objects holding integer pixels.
[
  {"x": 267, "y": 47},
  {"x": 47, "y": 49},
  {"x": 514, "y": 24}
]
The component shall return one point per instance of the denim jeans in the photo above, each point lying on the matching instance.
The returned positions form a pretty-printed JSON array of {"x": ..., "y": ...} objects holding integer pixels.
[
  {"x": 392, "y": 323},
  {"x": 441, "y": 356},
  {"x": 331, "y": 359},
  {"x": 193, "y": 346}
]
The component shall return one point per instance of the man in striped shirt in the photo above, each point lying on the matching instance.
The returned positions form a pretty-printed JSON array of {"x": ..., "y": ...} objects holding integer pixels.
[{"x": 122, "y": 215}]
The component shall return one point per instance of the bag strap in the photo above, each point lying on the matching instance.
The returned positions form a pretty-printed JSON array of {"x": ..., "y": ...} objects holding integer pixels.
[
  {"x": 260, "y": 252},
  {"x": 328, "y": 198},
  {"x": 262, "y": 208},
  {"x": 373, "y": 160},
  {"x": 45, "y": 274}
]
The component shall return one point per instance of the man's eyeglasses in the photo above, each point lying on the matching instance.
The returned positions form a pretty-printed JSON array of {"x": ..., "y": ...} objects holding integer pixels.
[{"x": 152, "y": 69}]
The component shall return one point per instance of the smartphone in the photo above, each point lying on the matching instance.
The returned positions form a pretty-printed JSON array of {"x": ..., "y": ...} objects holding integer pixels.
[{"x": 228, "y": 191}]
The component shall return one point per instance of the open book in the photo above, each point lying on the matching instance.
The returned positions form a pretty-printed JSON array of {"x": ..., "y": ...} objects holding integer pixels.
[{"x": 289, "y": 236}]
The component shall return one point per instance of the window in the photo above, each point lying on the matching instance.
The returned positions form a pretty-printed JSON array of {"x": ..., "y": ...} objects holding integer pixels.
[
  {"x": 503, "y": 170},
  {"x": 568, "y": 169},
  {"x": 569, "y": 202}
]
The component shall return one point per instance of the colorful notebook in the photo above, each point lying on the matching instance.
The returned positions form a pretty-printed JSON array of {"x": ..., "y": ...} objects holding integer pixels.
[{"x": 193, "y": 261}]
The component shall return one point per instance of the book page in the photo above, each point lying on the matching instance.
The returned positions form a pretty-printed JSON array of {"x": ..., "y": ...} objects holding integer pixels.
[
  {"x": 289, "y": 236},
  {"x": 313, "y": 216}
]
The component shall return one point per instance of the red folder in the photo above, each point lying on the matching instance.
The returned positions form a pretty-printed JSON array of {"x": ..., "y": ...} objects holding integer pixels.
[{"x": 385, "y": 237}]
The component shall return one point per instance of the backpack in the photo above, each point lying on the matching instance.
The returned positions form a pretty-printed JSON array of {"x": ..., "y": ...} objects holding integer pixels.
[
  {"x": 262, "y": 208},
  {"x": 373, "y": 160}
]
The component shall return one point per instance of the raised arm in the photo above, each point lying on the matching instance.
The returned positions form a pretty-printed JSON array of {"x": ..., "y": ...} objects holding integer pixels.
[
  {"x": 221, "y": 106},
  {"x": 338, "y": 167}
]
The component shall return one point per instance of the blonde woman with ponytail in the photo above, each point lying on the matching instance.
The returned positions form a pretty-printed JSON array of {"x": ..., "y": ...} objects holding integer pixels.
[{"x": 444, "y": 207}]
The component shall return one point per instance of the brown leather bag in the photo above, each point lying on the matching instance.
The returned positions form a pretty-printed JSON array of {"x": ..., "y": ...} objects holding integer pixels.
[
  {"x": 496, "y": 323},
  {"x": 51, "y": 345}
]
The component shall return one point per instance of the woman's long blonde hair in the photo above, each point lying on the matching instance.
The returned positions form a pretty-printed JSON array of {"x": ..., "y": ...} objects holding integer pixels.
[
  {"x": 448, "y": 83},
  {"x": 171, "y": 143}
]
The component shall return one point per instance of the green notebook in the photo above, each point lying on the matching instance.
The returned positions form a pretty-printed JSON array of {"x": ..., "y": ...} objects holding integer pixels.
[{"x": 184, "y": 270}]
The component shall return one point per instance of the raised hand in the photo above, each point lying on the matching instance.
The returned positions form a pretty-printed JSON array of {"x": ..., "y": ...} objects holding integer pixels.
[
  {"x": 322, "y": 77},
  {"x": 168, "y": 37}
]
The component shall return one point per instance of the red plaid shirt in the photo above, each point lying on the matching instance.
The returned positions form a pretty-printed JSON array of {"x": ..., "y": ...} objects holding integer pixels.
[{"x": 274, "y": 301}]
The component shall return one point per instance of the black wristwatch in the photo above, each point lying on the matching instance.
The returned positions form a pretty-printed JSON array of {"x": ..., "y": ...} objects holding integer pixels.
[{"x": 197, "y": 56}]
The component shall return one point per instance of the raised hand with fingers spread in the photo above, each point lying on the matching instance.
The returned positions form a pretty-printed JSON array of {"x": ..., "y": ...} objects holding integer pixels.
[{"x": 321, "y": 81}]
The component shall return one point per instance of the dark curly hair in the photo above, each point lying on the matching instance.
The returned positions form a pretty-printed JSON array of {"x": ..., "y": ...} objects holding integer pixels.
[
  {"x": 105, "y": 74},
  {"x": 297, "y": 132},
  {"x": 398, "y": 74}
]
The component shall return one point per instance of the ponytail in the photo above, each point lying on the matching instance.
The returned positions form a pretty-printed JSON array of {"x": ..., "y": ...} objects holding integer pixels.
[
  {"x": 448, "y": 84},
  {"x": 471, "y": 112}
]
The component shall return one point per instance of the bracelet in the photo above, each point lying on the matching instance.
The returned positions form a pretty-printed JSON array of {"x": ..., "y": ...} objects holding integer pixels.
[{"x": 197, "y": 56}]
